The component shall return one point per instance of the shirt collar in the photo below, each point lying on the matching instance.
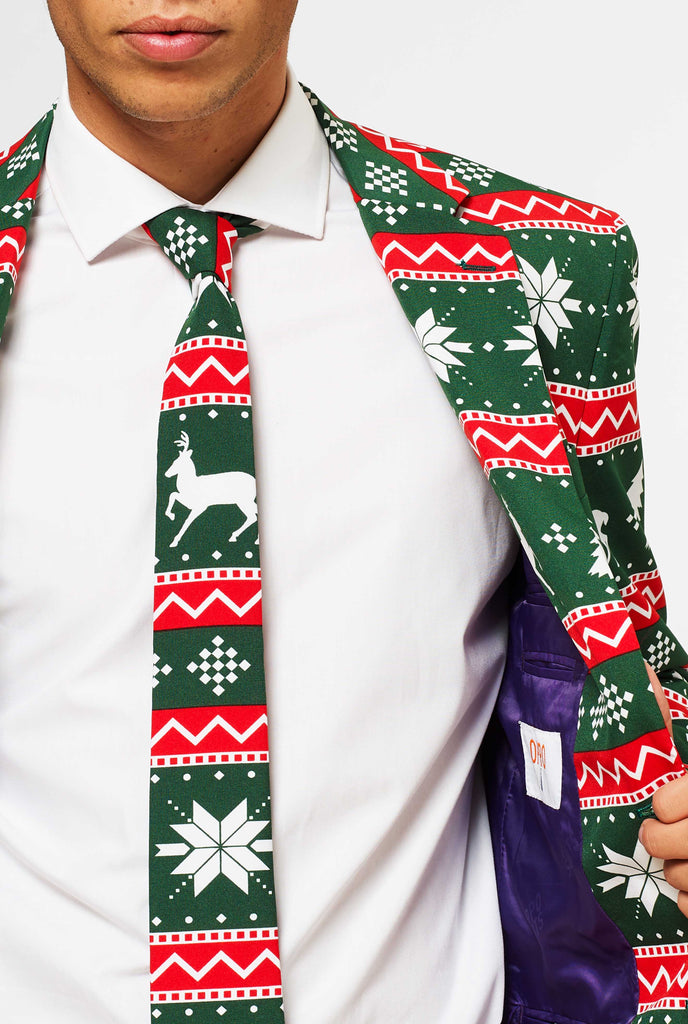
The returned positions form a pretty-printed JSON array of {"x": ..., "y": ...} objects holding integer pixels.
[{"x": 103, "y": 197}]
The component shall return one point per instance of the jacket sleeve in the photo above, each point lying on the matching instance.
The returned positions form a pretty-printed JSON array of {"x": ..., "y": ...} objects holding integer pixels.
[{"x": 610, "y": 456}]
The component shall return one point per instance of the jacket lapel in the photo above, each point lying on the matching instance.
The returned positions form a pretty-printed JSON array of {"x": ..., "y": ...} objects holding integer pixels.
[
  {"x": 20, "y": 170},
  {"x": 459, "y": 285}
]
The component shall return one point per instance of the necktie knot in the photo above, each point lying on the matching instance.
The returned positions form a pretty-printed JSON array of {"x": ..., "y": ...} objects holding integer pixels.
[{"x": 200, "y": 242}]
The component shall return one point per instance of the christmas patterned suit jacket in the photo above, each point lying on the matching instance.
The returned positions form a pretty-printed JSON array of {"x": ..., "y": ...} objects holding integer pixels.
[{"x": 524, "y": 301}]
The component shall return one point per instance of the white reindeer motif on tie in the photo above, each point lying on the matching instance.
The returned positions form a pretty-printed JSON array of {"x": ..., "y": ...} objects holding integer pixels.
[{"x": 198, "y": 493}]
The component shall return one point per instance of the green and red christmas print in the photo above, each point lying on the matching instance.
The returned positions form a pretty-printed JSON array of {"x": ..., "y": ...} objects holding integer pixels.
[
  {"x": 525, "y": 304},
  {"x": 214, "y": 941}
]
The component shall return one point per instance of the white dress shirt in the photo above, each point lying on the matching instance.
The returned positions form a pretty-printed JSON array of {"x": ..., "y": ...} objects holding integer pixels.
[{"x": 382, "y": 546}]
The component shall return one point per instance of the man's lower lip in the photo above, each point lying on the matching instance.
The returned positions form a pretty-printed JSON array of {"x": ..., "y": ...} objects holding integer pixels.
[{"x": 170, "y": 47}]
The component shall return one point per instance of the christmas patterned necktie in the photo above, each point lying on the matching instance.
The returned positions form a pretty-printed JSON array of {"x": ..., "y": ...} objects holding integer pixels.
[{"x": 214, "y": 947}]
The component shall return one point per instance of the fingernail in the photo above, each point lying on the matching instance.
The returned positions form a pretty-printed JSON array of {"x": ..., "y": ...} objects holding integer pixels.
[{"x": 641, "y": 833}]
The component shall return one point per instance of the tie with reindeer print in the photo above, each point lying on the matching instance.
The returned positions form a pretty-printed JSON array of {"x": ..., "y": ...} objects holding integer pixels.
[{"x": 214, "y": 946}]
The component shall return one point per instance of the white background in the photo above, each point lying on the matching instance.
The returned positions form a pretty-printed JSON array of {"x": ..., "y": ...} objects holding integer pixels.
[{"x": 587, "y": 97}]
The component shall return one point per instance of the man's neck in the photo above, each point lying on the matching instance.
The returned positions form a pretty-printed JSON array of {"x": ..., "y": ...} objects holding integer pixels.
[{"x": 193, "y": 158}]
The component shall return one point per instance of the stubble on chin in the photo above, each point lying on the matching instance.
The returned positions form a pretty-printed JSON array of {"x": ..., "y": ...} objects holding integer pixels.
[{"x": 151, "y": 99}]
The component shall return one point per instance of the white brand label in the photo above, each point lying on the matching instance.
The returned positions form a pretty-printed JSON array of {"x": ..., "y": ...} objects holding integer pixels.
[{"x": 542, "y": 755}]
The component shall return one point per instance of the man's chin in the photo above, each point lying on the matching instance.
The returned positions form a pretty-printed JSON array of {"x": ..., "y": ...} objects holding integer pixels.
[
  {"x": 166, "y": 109},
  {"x": 148, "y": 99}
]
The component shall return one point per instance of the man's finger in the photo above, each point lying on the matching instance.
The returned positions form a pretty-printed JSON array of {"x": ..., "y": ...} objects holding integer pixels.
[
  {"x": 683, "y": 903},
  {"x": 676, "y": 873},
  {"x": 670, "y": 802},
  {"x": 666, "y": 842}
]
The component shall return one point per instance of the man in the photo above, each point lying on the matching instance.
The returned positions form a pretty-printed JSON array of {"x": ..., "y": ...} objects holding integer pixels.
[{"x": 384, "y": 549}]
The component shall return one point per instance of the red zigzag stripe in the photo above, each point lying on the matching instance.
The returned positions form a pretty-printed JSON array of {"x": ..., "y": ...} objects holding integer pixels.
[
  {"x": 525, "y": 442},
  {"x": 207, "y": 597},
  {"x": 662, "y": 976},
  {"x": 219, "y": 369},
  {"x": 443, "y": 257},
  {"x": 596, "y": 420},
  {"x": 644, "y": 597},
  {"x": 188, "y": 732},
  {"x": 601, "y": 631},
  {"x": 626, "y": 774},
  {"x": 526, "y": 208},
  {"x": 190, "y": 966}
]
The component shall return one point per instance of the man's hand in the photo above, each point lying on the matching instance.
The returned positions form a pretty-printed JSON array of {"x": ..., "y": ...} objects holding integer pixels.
[{"x": 666, "y": 835}]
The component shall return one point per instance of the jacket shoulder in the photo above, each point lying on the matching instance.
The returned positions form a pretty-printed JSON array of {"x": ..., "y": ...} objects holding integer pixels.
[
  {"x": 578, "y": 264},
  {"x": 512, "y": 203}
]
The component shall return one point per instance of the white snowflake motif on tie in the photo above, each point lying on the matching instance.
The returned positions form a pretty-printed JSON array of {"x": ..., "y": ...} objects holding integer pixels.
[{"x": 213, "y": 847}]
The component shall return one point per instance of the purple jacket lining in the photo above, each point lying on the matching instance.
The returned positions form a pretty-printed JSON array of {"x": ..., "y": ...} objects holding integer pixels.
[{"x": 566, "y": 961}]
